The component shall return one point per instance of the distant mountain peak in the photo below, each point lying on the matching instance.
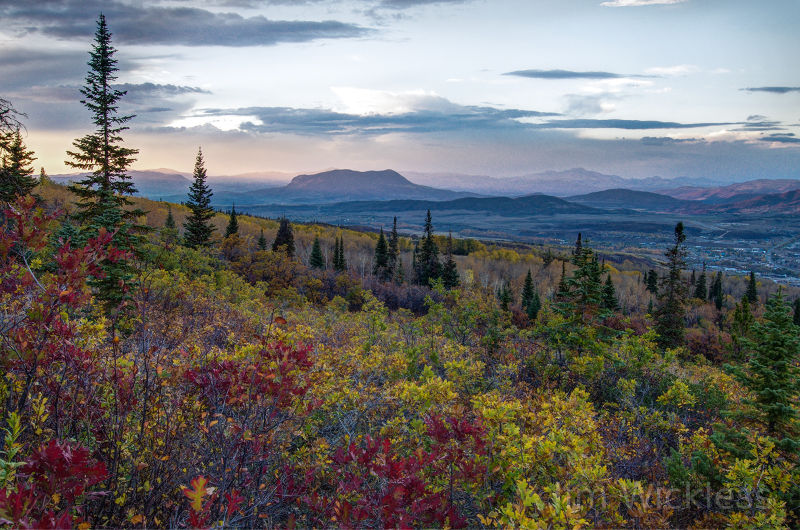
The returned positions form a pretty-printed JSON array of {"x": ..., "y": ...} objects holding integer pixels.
[{"x": 342, "y": 179}]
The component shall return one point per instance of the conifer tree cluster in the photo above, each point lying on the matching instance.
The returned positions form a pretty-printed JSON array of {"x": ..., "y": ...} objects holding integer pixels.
[
  {"x": 583, "y": 293},
  {"x": 450, "y": 279},
  {"x": 380, "y": 263},
  {"x": 339, "y": 262},
  {"x": 752, "y": 290},
  {"x": 427, "y": 266},
  {"x": 233, "y": 224},
  {"x": 715, "y": 291},
  {"x": 701, "y": 286}
]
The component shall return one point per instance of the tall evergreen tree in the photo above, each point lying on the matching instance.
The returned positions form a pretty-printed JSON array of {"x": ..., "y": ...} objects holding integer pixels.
[
  {"x": 527, "y": 290},
  {"x": 198, "y": 227},
  {"x": 233, "y": 224},
  {"x": 504, "y": 295},
  {"x": 262, "y": 241},
  {"x": 339, "y": 261},
  {"x": 796, "y": 316},
  {"x": 16, "y": 171},
  {"x": 578, "y": 250},
  {"x": 450, "y": 279},
  {"x": 316, "y": 260},
  {"x": 610, "y": 301},
  {"x": 394, "y": 250},
  {"x": 670, "y": 315},
  {"x": 170, "y": 221},
  {"x": 771, "y": 373},
  {"x": 562, "y": 292},
  {"x": 102, "y": 152},
  {"x": 428, "y": 266},
  {"x": 701, "y": 287},
  {"x": 534, "y": 307},
  {"x": 752, "y": 292},
  {"x": 284, "y": 239},
  {"x": 715, "y": 291},
  {"x": 652, "y": 281},
  {"x": 102, "y": 195},
  {"x": 380, "y": 262}
]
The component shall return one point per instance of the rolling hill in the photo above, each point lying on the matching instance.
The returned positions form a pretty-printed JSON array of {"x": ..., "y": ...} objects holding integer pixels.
[
  {"x": 631, "y": 199},
  {"x": 733, "y": 192}
]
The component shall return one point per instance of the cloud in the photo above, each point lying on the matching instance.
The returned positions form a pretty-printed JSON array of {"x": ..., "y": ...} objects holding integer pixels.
[
  {"x": 405, "y": 4},
  {"x": 638, "y": 3},
  {"x": 672, "y": 71},
  {"x": 563, "y": 74},
  {"x": 665, "y": 140},
  {"x": 784, "y": 138},
  {"x": 581, "y": 105},
  {"x": 773, "y": 89},
  {"x": 187, "y": 26},
  {"x": 149, "y": 90},
  {"x": 621, "y": 124}
]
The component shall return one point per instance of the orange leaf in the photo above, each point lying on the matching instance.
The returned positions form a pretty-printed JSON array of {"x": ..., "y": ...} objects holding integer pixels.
[{"x": 196, "y": 492}]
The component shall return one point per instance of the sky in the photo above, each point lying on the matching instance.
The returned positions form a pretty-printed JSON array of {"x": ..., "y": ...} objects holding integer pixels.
[{"x": 636, "y": 88}]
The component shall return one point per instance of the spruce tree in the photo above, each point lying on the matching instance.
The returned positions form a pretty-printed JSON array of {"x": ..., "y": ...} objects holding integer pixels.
[
  {"x": 102, "y": 152},
  {"x": 534, "y": 306},
  {"x": 771, "y": 373},
  {"x": 316, "y": 260},
  {"x": 578, "y": 250},
  {"x": 562, "y": 292},
  {"x": 652, "y": 281},
  {"x": 394, "y": 251},
  {"x": 233, "y": 224},
  {"x": 380, "y": 262},
  {"x": 610, "y": 301},
  {"x": 450, "y": 279},
  {"x": 715, "y": 291},
  {"x": 428, "y": 266},
  {"x": 505, "y": 295},
  {"x": 170, "y": 221},
  {"x": 284, "y": 239},
  {"x": 102, "y": 195},
  {"x": 198, "y": 227},
  {"x": 670, "y": 315},
  {"x": 339, "y": 262},
  {"x": 527, "y": 291},
  {"x": 16, "y": 172},
  {"x": 796, "y": 317},
  {"x": 752, "y": 292},
  {"x": 262, "y": 241},
  {"x": 701, "y": 287}
]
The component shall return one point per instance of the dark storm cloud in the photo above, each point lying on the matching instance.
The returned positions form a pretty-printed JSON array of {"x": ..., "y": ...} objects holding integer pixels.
[
  {"x": 773, "y": 89},
  {"x": 22, "y": 68},
  {"x": 563, "y": 74},
  {"x": 188, "y": 26}
]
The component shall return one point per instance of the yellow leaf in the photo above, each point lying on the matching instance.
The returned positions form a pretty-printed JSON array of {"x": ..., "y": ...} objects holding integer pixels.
[{"x": 136, "y": 519}]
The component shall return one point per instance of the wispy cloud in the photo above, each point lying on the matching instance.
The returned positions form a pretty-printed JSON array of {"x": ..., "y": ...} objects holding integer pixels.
[
  {"x": 773, "y": 89},
  {"x": 673, "y": 71},
  {"x": 563, "y": 74},
  {"x": 637, "y": 3}
]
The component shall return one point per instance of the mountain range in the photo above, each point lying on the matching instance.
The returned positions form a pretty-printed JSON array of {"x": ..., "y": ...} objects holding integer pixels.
[{"x": 388, "y": 189}]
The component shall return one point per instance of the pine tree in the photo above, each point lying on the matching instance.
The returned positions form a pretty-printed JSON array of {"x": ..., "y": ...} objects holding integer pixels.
[
  {"x": 652, "y": 281},
  {"x": 380, "y": 262},
  {"x": 562, "y": 291},
  {"x": 796, "y": 317},
  {"x": 771, "y": 373},
  {"x": 610, "y": 301},
  {"x": 102, "y": 152},
  {"x": 670, "y": 315},
  {"x": 752, "y": 292},
  {"x": 715, "y": 291},
  {"x": 701, "y": 287},
  {"x": 534, "y": 307},
  {"x": 527, "y": 291},
  {"x": 284, "y": 239},
  {"x": 339, "y": 262},
  {"x": 428, "y": 266},
  {"x": 578, "y": 250},
  {"x": 198, "y": 228},
  {"x": 316, "y": 259},
  {"x": 394, "y": 251},
  {"x": 450, "y": 279},
  {"x": 262, "y": 241},
  {"x": 505, "y": 295},
  {"x": 16, "y": 172},
  {"x": 170, "y": 221},
  {"x": 102, "y": 196},
  {"x": 233, "y": 224}
]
